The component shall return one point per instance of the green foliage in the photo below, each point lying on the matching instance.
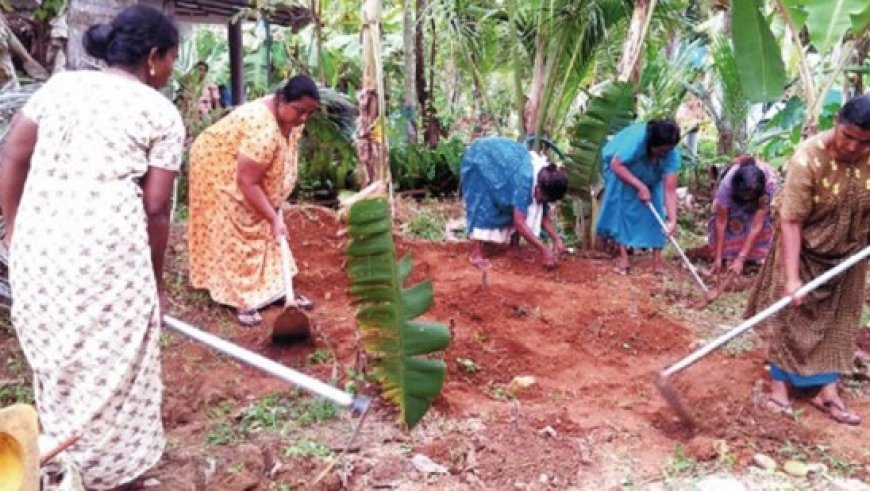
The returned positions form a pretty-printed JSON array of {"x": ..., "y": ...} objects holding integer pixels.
[
  {"x": 308, "y": 448},
  {"x": 327, "y": 156},
  {"x": 277, "y": 413},
  {"x": 426, "y": 224},
  {"x": 828, "y": 21},
  {"x": 664, "y": 78},
  {"x": 605, "y": 115},
  {"x": 435, "y": 170},
  {"x": 15, "y": 394},
  {"x": 756, "y": 52},
  {"x": 47, "y": 10},
  {"x": 733, "y": 100},
  {"x": 385, "y": 313}
]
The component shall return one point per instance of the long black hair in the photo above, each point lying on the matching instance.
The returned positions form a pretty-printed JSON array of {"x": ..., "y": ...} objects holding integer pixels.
[{"x": 128, "y": 40}]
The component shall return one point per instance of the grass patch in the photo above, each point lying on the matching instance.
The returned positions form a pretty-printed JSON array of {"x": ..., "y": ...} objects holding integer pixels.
[
  {"x": 274, "y": 413},
  {"x": 15, "y": 394},
  {"x": 308, "y": 448},
  {"x": 679, "y": 465},
  {"x": 319, "y": 357}
]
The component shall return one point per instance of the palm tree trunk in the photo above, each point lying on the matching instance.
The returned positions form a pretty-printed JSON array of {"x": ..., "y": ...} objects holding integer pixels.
[
  {"x": 317, "y": 12},
  {"x": 371, "y": 139},
  {"x": 532, "y": 112},
  {"x": 419, "y": 56},
  {"x": 433, "y": 127},
  {"x": 410, "y": 70},
  {"x": 629, "y": 64}
]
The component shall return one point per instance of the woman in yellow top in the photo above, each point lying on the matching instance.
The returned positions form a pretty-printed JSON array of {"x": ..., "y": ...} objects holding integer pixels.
[{"x": 241, "y": 169}]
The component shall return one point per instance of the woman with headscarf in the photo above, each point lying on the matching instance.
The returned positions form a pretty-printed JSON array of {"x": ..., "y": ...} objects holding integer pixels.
[{"x": 242, "y": 169}]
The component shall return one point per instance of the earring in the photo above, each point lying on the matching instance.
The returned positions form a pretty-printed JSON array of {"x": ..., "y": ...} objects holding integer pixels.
[{"x": 151, "y": 71}]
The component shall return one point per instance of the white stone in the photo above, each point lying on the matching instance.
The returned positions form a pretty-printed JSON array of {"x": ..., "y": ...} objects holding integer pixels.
[
  {"x": 427, "y": 466},
  {"x": 765, "y": 462},
  {"x": 720, "y": 483},
  {"x": 849, "y": 485}
]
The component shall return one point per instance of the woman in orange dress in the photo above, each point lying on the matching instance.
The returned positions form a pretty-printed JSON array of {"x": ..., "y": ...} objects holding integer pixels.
[{"x": 241, "y": 169}]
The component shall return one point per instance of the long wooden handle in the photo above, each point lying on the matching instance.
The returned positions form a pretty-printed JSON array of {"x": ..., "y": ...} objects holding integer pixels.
[{"x": 290, "y": 296}]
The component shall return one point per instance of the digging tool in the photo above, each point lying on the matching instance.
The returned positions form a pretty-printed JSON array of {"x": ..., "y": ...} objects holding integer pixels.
[
  {"x": 358, "y": 404},
  {"x": 292, "y": 324},
  {"x": 707, "y": 293},
  {"x": 663, "y": 382}
]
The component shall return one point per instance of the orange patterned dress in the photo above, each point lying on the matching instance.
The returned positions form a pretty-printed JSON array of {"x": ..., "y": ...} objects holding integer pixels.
[{"x": 232, "y": 252}]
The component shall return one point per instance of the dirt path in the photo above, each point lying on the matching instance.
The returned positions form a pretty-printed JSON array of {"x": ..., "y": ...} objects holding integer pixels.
[{"x": 591, "y": 339}]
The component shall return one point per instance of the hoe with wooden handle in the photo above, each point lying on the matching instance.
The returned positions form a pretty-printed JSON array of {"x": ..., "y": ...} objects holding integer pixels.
[
  {"x": 708, "y": 294},
  {"x": 663, "y": 380}
]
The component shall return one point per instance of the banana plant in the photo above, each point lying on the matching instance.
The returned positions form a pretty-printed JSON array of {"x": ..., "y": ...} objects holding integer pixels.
[
  {"x": 385, "y": 313},
  {"x": 605, "y": 114}
]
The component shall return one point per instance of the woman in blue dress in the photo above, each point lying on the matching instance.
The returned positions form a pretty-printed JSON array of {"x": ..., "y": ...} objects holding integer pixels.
[
  {"x": 640, "y": 166},
  {"x": 507, "y": 189}
]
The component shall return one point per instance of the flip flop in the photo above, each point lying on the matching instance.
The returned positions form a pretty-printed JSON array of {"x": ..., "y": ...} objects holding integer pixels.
[
  {"x": 778, "y": 407},
  {"x": 250, "y": 318},
  {"x": 843, "y": 414},
  {"x": 304, "y": 302}
]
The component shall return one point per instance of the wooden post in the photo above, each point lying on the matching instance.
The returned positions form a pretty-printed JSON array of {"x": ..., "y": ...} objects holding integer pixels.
[{"x": 237, "y": 67}]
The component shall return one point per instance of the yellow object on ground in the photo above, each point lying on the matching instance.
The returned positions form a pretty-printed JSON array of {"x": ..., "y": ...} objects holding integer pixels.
[{"x": 19, "y": 454}]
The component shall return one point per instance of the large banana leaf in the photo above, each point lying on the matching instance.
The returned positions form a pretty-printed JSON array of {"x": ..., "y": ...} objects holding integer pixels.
[
  {"x": 385, "y": 313},
  {"x": 605, "y": 114},
  {"x": 861, "y": 21},
  {"x": 762, "y": 71},
  {"x": 829, "y": 20}
]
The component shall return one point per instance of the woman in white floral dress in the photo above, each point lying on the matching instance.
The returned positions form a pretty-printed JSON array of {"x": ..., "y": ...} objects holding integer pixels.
[{"x": 85, "y": 186}]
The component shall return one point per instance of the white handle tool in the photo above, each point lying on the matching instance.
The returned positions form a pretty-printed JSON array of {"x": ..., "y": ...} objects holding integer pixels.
[
  {"x": 357, "y": 403},
  {"x": 769, "y": 311},
  {"x": 678, "y": 248}
]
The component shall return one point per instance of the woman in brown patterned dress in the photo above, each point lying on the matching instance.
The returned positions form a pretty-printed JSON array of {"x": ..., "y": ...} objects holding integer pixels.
[
  {"x": 824, "y": 217},
  {"x": 85, "y": 185}
]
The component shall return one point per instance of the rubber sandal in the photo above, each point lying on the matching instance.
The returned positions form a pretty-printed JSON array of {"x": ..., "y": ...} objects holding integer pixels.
[
  {"x": 778, "y": 407},
  {"x": 304, "y": 302},
  {"x": 846, "y": 416},
  {"x": 250, "y": 318}
]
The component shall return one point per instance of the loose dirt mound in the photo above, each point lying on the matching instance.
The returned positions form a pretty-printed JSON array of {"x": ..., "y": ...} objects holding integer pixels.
[{"x": 592, "y": 340}]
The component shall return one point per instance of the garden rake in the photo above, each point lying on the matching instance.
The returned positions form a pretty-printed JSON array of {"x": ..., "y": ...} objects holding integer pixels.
[
  {"x": 663, "y": 380},
  {"x": 708, "y": 294}
]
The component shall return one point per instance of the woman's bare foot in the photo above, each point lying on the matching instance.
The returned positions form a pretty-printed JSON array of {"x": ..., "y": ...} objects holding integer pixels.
[
  {"x": 520, "y": 254},
  {"x": 479, "y": 262}
]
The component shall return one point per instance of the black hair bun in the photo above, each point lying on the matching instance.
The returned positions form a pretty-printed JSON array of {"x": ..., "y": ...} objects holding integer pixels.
[{"x": 97, "y": 39}]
